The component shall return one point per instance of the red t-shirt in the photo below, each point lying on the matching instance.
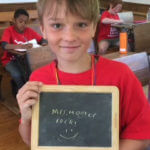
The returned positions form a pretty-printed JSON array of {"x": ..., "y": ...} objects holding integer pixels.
[
  {"x": 134, "y": 107},
  {"x": 11, "y": 36},
  {"x": 106, "y": 31}
]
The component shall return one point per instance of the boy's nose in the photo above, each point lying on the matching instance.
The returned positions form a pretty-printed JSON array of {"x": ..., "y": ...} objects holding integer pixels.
[
  {"x": 69, "y": 34},
  {"x": 23, "y": 24}
]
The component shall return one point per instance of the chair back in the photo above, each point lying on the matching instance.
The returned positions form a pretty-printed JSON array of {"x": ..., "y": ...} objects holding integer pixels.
[
  {"x": 139, "y": 64},
  {"x": 38, "y": 57}
]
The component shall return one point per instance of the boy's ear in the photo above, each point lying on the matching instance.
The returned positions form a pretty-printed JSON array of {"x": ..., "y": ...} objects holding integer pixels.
[{"x": 43, "y": 32}]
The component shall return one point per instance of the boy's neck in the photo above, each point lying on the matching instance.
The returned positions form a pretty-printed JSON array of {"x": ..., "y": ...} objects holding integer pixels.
[
  {"x": 17, "y": 30},
  {"x": 80, "y": 66}
]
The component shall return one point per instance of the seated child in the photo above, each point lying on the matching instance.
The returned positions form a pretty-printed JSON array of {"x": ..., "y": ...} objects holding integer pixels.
[
  {"x": 69, "y": 32},
  {"x": 108, "y": 35},
  {"x": 15, "y": 37}
]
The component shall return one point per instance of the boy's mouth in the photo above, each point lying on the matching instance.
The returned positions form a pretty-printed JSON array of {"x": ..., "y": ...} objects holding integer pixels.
[{"x": 69, "y": 49}]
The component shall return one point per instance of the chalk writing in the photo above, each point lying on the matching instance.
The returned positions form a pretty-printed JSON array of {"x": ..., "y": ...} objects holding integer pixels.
[
  {"x": 64, "y": 118},
  {"x": 79, "y": 114}
]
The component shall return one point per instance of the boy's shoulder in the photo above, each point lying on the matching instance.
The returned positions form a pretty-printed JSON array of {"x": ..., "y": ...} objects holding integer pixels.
[
  {"x": 45, "y": 68},
  {"x": 113, "y": 66},
  {"x": 110, "y": 62},
  {"x": 105, "y": 13},
  {"x": 43, "y": 72},
  {"x": 10, "y": 28}
]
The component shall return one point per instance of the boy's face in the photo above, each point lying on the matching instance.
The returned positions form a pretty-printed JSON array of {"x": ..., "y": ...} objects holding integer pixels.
[
  {"x": 116, "y": 9},
  {"x": 68, "y": 36},
  {"x": 20, "y": 23}
]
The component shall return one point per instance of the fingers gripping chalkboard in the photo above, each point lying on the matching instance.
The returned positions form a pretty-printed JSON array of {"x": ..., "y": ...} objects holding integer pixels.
[{"x": 80, "y": 118}]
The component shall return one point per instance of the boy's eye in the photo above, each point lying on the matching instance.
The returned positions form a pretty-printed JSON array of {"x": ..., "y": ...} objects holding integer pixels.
[
  {"x": 82, "y": 25},
  {"x": 57, "y": 26},
  {"x": 23, "y": 22}
]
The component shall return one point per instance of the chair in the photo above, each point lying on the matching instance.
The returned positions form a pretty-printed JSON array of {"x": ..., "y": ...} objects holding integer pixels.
[
  {"x": 38, "y": 57},
  {"x": 142, "y": 37},
  {"x": 139, "y": 64}
]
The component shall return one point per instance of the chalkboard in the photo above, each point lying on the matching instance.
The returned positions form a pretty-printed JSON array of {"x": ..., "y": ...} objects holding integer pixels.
[{"x": 76, "y": 117}]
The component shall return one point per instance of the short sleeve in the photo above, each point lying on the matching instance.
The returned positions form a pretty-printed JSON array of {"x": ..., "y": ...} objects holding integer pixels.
[
  {"x": 135, "y": 109},
  {"x": 35, "y": 35},
  {"x": 104, "y": 15},
  {"x": 6, "y": 37}
]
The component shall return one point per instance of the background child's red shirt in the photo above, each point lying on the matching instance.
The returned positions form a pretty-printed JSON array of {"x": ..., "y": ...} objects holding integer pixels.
[
  {"x": 106, "y": 31},
  {"x": 11, "y": 36}
]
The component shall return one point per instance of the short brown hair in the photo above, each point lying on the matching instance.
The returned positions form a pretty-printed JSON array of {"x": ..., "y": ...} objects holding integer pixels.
[
  {"x": 114, "y": 3},
  {"x": 87, "y": 9}
]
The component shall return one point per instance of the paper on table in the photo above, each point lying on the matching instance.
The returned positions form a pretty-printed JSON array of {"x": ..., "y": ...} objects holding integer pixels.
[
  {"x": 33, "y": 42},
  {"x": 21, "y": 50}
]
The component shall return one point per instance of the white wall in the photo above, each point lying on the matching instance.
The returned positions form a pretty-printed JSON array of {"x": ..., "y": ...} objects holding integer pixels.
[
  {"x": 16, "y": 1},
  {"x": 29, "y": 1},
  {"x": 147, "y": 2}
]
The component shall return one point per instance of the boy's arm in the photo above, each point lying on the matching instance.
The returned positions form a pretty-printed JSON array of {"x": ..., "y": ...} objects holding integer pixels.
[
  {"x": 25, "y": 131},
  {"x": 43, "y": 42},
  {"x": 8, "y": 46},
  {"x": 134, "y": 144},
  {"x": 111, "y": 21},
  {"x": 27, "y": 96}
]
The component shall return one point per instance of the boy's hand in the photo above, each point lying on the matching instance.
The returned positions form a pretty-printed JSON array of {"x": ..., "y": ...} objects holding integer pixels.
[
  {"x": 44, "y": 44},
  {"x": 27, "y": 97},
  {"x": 25, "y": 46}
]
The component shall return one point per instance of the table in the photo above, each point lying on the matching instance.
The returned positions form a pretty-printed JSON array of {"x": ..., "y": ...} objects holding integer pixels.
[
  {"x": 125, "y": 26},
  {"x": 17, "y": 53},
  {"x": 116, "y": 55}
]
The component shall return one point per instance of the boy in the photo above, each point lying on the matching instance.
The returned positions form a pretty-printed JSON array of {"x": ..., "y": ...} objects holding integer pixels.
[
  {"x": 69, "y": 32},
  {"x": 108, "y": 35},
  {"x": 14, "y": 37}
]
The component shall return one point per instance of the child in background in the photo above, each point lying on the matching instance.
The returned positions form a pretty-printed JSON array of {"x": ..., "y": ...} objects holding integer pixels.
[
  {"x": 69, "y": 32},
  {"x": 15, "y": 37},
  {"x": 108, "y": 35}
]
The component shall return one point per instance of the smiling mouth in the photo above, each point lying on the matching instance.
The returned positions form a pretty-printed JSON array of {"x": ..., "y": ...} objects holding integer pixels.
[
  {"x": 69, "y": 47},
  {"x": 69, "y": 138}
]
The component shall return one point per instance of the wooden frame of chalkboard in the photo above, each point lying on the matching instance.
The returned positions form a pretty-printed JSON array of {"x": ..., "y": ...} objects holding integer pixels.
[{"x": 76, "y": 118}]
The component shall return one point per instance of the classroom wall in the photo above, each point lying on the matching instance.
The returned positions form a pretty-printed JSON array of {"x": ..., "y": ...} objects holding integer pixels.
[
  {"x": 13, "y": 7},
  {"x": 32, "y": 1},
  {"x": 140, "y": 10},
  {"x": 16, "y": 1},
  {"x": 146, "y": 2}
]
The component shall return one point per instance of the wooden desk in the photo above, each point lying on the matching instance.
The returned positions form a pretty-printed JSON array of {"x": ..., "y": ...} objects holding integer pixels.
[
  {"x": 124, "y": 26},
  {"x": 117, "y": 55},
  {"x": 17, "y": 53}
]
